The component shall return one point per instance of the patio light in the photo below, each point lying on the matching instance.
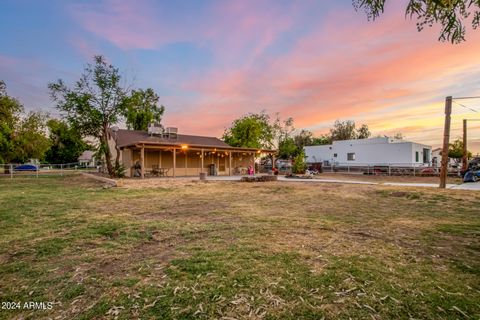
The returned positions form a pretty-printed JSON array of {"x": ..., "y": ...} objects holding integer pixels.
[{"x": 184, "y": 147}]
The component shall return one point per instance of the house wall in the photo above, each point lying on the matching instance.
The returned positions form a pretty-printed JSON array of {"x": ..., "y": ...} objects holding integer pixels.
[
  {"x": 164, "y": 159},
  {"x": 368, "y": 151}
]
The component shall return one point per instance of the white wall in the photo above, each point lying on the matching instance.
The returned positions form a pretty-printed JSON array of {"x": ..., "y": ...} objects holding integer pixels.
[{"x": 368, "y": 151}]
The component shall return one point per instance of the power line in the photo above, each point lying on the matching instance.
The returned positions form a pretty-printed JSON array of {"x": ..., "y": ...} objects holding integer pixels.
[
  {"x": 465, "y": 98},
  {"x": 461, "y": 105}
]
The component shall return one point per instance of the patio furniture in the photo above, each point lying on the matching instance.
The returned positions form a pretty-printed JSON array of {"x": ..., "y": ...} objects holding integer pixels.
[
  {"x": 159, "y": 172},
  {"x": 155, "y": 170}
]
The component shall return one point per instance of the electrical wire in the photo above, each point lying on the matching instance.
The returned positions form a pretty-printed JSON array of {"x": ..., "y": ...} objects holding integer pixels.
[
  {"x": 461, "y": 105},
  {"x": 465, "y": 98}
]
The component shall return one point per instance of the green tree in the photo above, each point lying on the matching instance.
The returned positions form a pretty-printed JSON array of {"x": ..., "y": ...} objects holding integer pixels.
[
  {"x": 96, "y": 101},
  {"x": 299, "y": 166},
  {"x": 282, "y": 130},
  {"x": 455, "y": 150},
  {"x": 303, "y": 138},
  {"x": 251, "y": 131},
  {"x": 363, "y": 132},
  {"x": 452, "y": 15},
  {"x": 21, "y": 137},
  {"x": 10, "y": 109},
  {"x": 321, "y": 140},
  {"x": 30, "y": 141},
  {"x": 66, "y": 143},
  {"x": 346, "y": 130},
  {"x": 343, "y": 130},
  {"x": 142, "y": 109},
  {"x": 287, "y": 148}
]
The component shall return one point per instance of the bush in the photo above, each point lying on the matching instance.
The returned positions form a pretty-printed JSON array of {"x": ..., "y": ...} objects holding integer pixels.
[
  {"x": 119, "y": 170},
  {"x": 299, "y": 166}
]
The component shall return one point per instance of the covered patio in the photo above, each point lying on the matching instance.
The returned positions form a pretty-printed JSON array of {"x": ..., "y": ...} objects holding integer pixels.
[{"x": 145, "y": 155}]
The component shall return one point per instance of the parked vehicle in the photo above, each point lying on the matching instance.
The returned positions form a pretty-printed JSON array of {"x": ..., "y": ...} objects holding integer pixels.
[
  {"x": 472, "y": 174},
  {"x": 26, "y": 167}
]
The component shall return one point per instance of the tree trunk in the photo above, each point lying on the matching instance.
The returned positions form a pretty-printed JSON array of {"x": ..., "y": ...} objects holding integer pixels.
[{"x": 106, "y": 150}]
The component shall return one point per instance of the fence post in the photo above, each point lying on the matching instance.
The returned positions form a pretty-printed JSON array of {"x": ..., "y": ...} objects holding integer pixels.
[
  {"x": 389, "y": 170},
  {"x": 348, "y": 168},
  {"x": 414, "y": 170},
  {"x": 38, "y": 167},
  {"x": 61, "y": 169},
  {"x": 11, "y": 171}
]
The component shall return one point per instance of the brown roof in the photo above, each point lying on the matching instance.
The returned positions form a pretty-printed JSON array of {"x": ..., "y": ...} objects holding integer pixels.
[{"x": 127, "y": 138}]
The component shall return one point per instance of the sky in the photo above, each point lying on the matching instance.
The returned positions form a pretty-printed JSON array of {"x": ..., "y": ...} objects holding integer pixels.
[{"x": 214, "y": 61}]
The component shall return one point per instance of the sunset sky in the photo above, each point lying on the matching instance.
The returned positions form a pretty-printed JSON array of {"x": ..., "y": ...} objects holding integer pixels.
[{"x": 213, "y": 61}]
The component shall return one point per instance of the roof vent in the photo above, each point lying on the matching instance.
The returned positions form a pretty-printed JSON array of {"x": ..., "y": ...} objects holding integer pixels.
[
  {"x": 155, "y": 129},
  {"x": 170, "y": 133}
]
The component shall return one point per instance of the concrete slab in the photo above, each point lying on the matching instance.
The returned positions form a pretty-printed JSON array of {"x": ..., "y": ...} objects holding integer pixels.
[{"x": 468, "y": 186}]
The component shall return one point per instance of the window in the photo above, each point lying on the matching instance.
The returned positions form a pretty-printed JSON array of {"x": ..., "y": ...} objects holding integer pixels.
[
  {"x": 351, "y": 156},
  {"x": 334, "y": 155},
  {"x": 426, "y": 155},
  {"x": 416, "y": 156}
]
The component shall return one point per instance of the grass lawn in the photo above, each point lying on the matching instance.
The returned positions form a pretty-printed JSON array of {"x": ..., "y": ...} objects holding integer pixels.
[{"x": 238, "y": 250}]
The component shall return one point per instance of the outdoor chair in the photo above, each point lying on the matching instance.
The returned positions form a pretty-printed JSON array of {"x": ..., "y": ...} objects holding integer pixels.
[{"x": 155, "y": 170}]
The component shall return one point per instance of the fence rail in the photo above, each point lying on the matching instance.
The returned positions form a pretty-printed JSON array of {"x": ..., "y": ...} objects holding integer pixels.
[
  {"x": 13, "y": 170},
  {"x": 391, "y": 169}
]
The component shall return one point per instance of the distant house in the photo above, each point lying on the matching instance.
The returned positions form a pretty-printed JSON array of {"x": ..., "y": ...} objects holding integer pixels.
[
  {"x": 437, "y": 158},
  {"x": 373, "y": 151},
  {"x": 167, "y": 153},
  {"x": 87, "y": 159}
]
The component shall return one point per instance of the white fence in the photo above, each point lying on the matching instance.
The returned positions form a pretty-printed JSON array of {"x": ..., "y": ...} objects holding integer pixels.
[
  {"x": 391, "y": 169},
  {"x": 16, "y": 170}
]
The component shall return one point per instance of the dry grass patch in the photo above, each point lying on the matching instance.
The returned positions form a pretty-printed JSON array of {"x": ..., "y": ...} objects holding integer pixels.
[{"x": 188, "y": 249}]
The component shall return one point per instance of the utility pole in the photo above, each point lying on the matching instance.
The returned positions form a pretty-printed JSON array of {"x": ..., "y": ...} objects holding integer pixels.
[
  {"x": 465, "y": 155},
  {"x": 446, "y": 141}
]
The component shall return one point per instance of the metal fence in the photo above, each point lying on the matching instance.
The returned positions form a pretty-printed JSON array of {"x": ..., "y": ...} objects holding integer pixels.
[
  {"x": 390, "y": 169},
  {"x": 16, "y": 170}
]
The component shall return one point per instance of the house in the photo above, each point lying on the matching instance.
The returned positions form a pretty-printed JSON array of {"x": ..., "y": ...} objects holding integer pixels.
[
  {"x": 168, "y": 153},
  {"x": 437, "y": 159},
  {"x": 87, "y": 159},
  {"x": 373, "y": 151}
]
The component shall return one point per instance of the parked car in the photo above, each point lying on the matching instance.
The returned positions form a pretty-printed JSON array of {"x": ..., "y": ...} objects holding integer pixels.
[{"x": 26, "y": 167}]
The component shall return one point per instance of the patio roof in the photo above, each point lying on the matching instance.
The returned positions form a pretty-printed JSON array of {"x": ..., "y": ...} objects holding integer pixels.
[{"x": 133, "y": 138}]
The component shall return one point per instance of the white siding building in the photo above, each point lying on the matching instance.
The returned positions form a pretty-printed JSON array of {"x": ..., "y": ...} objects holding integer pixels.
[{"x": 373, "y": 151}]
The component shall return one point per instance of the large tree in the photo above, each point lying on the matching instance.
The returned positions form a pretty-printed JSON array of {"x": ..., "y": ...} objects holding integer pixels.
[
  {"x": 10, "y": 109},
  {"x": 251, "y": 131},
  {"x": 94, "y": 103},
  {"x": 66, "y": 143},
  {"x": 451, "y": 15},
  {"x": 142, "y": 109},
  {"x": 30, "y": 141},
  {"x": 22, "y": 137},
  {"x": 343, "y": 130},
  {"x": 346, "y": 130}
]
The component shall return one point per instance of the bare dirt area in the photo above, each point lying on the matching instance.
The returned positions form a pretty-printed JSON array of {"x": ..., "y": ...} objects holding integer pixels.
[{"x": 171, "y": 249}]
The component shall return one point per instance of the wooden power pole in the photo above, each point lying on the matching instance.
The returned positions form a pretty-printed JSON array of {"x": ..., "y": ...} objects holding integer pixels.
[
  {"x": 446, "y": 141},
  {"x": 465, "y": 155}
]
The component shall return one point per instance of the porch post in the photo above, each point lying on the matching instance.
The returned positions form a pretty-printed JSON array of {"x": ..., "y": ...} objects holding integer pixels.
[
  {"x": 230, "y": 163},
  {"x": 142, "y": 161},
  {"x": 186, "y": 158},
  {"x": 174, "y": 160},
  {"x": 201, "y": 169},
  {"x": 253, "y": 158},
  {"x": 273, "y": 161},
  {"x": 159, "y": 158}
]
